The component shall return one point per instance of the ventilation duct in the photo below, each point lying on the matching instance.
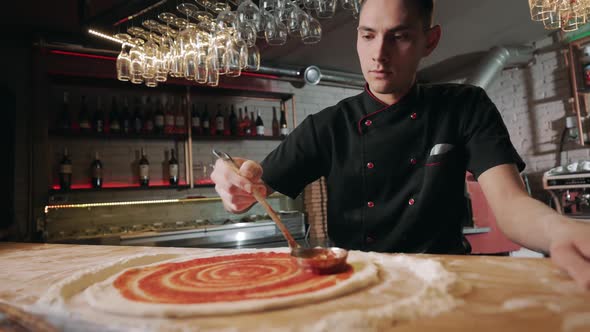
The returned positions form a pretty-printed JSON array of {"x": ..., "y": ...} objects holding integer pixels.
[{"x": 495, "y": 61}]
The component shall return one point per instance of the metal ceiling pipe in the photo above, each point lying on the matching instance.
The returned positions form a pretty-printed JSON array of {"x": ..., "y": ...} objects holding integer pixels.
[
  {"x": 310, "y": 75},
  {"x": 494, "y": 62}
]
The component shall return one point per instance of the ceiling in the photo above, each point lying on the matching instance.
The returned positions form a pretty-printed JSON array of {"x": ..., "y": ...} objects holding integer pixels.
[{"x": 470, "y": 27}]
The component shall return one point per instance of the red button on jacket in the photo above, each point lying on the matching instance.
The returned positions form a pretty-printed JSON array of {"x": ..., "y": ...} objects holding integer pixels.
[{"x": 370, "y": 204}]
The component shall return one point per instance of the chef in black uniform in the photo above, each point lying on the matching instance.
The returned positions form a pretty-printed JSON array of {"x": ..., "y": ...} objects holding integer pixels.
[{"x": 395, "y": 156}]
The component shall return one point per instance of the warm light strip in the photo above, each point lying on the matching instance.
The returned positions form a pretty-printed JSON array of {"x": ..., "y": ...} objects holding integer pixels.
[
  {"x": 102, "y": 35},
  {"x": 89, "y": 205}
]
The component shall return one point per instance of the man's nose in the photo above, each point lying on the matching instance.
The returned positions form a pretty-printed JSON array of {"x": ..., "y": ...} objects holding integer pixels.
[{"x": 380, "y": 53}]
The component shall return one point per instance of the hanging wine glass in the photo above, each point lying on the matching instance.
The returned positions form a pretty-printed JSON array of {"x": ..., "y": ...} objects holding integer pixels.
[
  {"x": 311, "y": 4},
  {"x": 263, "y": 20},
  {"x": 123, "y": 61},
  {"x": 248, "y": 12},
  {"x": 231, "y": 60},
  {"x": 267, "y": 4},
  {"x": 218, "y": 7},
  {"x": 275, "y": 32},
  {"x": 296, "y": 15},
  {"x": 347, "y": 4},
  {"x": 212, "y": 71},
  {"x": 326, "y": 8},
  {"x": 247, "y": 32},
  {"x": 206, "y": 4},
  {"x": 149, "y": 60},
  {"x": 311, "y": 30},
  {"x": 136, "y": 58},
  {"x": 253, "y": 59}
]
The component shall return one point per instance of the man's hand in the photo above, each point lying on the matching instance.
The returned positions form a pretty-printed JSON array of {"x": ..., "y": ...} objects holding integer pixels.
[
  {"x": 535, "y": 225},
  {"x": 570, "y": 251},
  {"x": 234, "y": 189}
]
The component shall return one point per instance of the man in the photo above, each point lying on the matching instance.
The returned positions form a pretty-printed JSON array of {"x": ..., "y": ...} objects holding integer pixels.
[{"x": 395, "y": 156}]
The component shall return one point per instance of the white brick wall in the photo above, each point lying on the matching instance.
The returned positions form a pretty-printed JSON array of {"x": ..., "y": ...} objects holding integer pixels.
[{"x": 534, "y": 102}]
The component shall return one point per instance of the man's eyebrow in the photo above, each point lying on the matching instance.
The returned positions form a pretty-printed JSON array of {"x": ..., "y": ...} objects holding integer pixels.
[{"x": 398, "y": 28}]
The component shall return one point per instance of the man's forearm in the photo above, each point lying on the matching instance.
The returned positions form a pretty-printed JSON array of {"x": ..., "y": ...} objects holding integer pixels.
[{"x": 529, "y": 222}]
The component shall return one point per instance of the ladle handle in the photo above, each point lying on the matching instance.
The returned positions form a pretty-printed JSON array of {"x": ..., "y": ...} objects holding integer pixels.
[{"x": 271, "y": 212}]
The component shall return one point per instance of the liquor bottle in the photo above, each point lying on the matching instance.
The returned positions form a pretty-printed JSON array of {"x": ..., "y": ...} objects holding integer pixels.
[
  {"x": 114, "y": 124},
  {"x": 241, "y": 127},
  {"x": 148, "y": 117},
  {"x": 125, "y": 117},
  {"x": 179, "y": 119},
  {"x": 169, "y": 116},
  {"x": 205, "y": 122},
  {"x": 219, "y": 121},
  {"x": 144, "y": 170},
  {"x": 259, "y": 125},
  {"x": 252, "y": 124},
  {"x": 196, "y": 121},
  {"x": 247, "y": 124},
  {"x": 226, "y": 124},
  {"x": 137, "y": 122},
  {"x": 275, "y": 123},
  {"x": 64, "y": 123},
  {"x": 84, "y": 117},
  {"x": 233, "y": 122},
  {"x": 96, "y": 172},
  {"x": 173, "y": 169},
  {"x": 283, "y": 124},
  {"x": 98, "y": 121},
  {"x": 65, "y": 172},
  {"x": 159, "y": 118},
  {"x": 213, "y": 125}
]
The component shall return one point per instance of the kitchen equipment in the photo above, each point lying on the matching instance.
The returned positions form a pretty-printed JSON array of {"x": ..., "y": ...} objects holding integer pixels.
[
  {"x": 569, "y": 187},
  {"x": 321, "y": 260}
]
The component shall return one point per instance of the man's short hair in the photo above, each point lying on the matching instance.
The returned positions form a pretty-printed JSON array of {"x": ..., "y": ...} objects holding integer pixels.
[{"x": 425, "y": 10}]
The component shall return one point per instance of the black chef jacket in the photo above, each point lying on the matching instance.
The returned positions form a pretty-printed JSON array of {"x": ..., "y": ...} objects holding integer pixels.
[{"x": 395, "y": 174}]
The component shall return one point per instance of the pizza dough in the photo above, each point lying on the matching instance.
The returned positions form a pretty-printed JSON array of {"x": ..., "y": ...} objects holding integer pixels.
[
  {"x": 219, "y": 285},
  {"x": 407, "y": 287}
]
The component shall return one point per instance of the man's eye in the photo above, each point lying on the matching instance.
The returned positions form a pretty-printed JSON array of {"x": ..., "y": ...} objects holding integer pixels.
[
  {"x": 401, "y": 36},
  {"x": 367, "y": 37}
]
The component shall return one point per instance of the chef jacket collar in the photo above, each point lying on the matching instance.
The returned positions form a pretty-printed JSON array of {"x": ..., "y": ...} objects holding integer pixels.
[{"x": 372, "y": 104}]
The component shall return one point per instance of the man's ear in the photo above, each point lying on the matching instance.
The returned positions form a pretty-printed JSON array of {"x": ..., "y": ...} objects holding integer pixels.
[{"x": 432, "y": 38}]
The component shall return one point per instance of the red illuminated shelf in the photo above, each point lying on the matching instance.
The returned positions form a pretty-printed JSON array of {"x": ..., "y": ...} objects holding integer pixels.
[
  {"x": 57, "y": 133},
  {"x": 236, "y": 138},
  {"x": 124, "y": 187}
]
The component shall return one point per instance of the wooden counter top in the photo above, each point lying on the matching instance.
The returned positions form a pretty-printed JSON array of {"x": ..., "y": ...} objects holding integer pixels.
[{"x": 508, "y": 294}]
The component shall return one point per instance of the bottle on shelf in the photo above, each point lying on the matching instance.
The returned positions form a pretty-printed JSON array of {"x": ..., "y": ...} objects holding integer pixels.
[
  {"x": 284, "y": 131},
  {"x": 98, "y": 120},
  {"x": 169, "y": 116},
  {"x": 252, "y": 124},
  {"x": 173, "y": 169},
  {"x": 84, "y": 117},
  {"x": 137, "y": 122},
  {"x": 148, "y": 117},
  {"x": 275, "y": 123},
  {"x": 219, "y": 121},
  {"x": 65, "y": 171},
  {"x": 213, "y": 125},
  {"x": 114, "y": 124},
  {"x": 179, "y": 118},
  {"x": 226, "y": 127},
  {"x": 247, "y": 123},
  {"x": 159, "y": 117},
  {"x": 259, "y": 125},
  {"x": 125, "y": 117},
  {"x": 64, "y": 123},
  {"x": 96, "y": 172},
  {"x": 144, "y": 170},
  {"x": 206, "y": 122},
  {"x": 196, "y": 121},
  {"x": 241, "y": 127},
  {"x": 233, "y": 122}
]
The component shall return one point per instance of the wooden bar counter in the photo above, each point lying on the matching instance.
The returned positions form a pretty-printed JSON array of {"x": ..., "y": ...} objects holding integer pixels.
[{"x": 506, "y": 294}]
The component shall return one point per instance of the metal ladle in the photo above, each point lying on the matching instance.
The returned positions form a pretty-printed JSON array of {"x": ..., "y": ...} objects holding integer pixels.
[{"x": 319, "y": 260}]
